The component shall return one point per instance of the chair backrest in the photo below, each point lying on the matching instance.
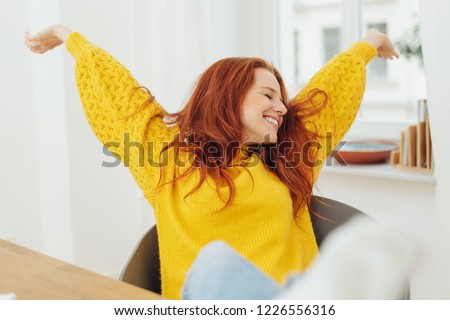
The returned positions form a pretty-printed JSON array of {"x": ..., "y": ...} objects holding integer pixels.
[
  {"x": 337, "y": 212},
  {"x": 143, "y": 267}
]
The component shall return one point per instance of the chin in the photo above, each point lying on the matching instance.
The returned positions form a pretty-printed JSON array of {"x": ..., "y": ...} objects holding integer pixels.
[
  {"x": 266, "y": 138},
  {"x": 270, "y": 140}
]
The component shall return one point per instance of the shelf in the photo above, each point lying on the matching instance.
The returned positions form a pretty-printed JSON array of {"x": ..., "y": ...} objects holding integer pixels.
[{"x": 382, "y": 171}]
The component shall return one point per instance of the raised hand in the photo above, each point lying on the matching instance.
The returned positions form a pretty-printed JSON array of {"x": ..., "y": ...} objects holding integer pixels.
[
  {"x": 47, "y": 39},
  {"x": 382, "y": 43}
]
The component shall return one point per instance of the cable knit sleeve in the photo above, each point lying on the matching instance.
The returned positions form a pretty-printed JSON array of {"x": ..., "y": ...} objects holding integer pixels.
[
  {"x": 343, "y": 79},
  {"x": 132, "y": 131}
]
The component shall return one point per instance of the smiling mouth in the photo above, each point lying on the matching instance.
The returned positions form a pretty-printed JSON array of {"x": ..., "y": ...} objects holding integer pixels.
[{"x": 271, "y": 121}]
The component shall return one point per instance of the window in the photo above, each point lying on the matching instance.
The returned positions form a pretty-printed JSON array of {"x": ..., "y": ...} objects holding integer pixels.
[
  {"x": 378, "y": 67},
  {"x": 393, "y": 87},
  {"x": 322, "y": 28},
  {"x": 296, "y": 58},
  {"x": 331, "y": 42},
  {"x": 317, "y": 29}
]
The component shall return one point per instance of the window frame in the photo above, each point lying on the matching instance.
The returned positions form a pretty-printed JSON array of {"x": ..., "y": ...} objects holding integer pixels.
[{"x": 352, "y": 30}]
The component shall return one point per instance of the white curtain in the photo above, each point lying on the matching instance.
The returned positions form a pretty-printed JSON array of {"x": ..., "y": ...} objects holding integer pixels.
[{"x": 176, "y": 40}]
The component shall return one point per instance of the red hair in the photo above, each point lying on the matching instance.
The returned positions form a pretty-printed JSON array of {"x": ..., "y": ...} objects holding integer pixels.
[{"x": 210, "y": 129}]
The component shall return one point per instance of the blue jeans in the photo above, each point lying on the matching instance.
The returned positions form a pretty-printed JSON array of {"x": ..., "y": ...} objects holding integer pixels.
[{"x": 221, "y": 273}]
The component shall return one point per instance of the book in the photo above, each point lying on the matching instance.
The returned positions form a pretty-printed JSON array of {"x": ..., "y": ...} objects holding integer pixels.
[
  {"x": 395, "y": 157},
  {"x": 412, "y": 146},
  {"x": 427, "y": 143},
  {"x": 421, "y": 145},
  {"x": 403, "y": 149}
]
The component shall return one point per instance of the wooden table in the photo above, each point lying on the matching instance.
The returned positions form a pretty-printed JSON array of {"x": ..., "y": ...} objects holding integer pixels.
[{"x": 32, "y": 275}]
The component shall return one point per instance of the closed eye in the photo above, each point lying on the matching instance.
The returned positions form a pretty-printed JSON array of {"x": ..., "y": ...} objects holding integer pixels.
[{"x": 268, "y": 96}]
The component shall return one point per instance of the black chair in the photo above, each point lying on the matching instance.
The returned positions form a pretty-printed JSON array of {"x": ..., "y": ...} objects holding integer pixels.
[
  {"x": 337, "y": 212},
  {"x": 143, "y": 267}
]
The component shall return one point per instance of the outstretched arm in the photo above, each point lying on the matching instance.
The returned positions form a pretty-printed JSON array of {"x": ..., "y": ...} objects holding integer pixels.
[
  {"x": 343, "y": 80},
  {"x": 124, "y": 116}
]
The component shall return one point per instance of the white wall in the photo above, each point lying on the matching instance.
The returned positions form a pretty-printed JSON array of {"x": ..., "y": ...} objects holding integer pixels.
[
  {"x": 19, "y": 159},
  {"x": 435, "y": 26},
  {"x": 48, "y": 95}
]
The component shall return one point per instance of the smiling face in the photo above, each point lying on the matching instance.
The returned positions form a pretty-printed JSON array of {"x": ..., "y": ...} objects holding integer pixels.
[{"x": 262, "y": 109}]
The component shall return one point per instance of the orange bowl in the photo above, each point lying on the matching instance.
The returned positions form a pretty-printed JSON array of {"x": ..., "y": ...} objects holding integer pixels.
[{"x": 364, "y": 151}]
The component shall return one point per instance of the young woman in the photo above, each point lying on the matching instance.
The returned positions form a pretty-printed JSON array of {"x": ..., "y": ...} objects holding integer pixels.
[{"x": 238, "y": 163}]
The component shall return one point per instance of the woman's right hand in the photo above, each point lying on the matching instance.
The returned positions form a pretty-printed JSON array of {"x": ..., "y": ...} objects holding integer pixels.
[{"x": 47, "y": 39}]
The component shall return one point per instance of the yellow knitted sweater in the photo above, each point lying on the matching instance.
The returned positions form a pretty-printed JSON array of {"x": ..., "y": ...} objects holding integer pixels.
[{"x": 259, "y": 223}]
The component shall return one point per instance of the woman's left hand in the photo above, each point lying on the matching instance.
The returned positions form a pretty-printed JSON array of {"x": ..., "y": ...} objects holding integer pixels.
[{"x": 382, "y": 43}]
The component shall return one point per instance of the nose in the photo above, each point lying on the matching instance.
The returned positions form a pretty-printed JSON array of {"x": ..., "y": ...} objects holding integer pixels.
[{"x": 280, "y": 108}]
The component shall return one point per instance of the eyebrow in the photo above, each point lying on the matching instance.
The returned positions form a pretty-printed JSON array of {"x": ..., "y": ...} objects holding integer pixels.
[{"x": 270, "y": 88}]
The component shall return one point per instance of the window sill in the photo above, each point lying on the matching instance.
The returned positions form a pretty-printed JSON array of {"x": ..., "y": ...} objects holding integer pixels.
[{"x": 380, "y": 171}]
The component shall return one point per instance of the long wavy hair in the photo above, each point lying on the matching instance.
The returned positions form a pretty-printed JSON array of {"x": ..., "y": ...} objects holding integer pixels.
[{"x": 211, "y": 130}]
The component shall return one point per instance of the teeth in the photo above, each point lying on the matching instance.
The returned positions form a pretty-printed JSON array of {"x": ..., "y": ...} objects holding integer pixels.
[{"x": 272, "y": 121}]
